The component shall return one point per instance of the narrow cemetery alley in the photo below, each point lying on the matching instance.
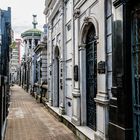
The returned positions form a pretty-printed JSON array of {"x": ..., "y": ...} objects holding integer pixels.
[{"x": 29, "y": 120}]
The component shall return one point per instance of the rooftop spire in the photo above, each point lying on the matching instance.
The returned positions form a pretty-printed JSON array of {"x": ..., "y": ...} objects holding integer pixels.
[{"x": 34, "y": 21}]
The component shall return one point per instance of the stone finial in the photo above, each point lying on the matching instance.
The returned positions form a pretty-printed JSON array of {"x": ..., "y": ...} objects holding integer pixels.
[{"x": 34, "y": 21}]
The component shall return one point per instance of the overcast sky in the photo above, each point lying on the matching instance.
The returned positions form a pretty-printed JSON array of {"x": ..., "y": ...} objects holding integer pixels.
[{"x": 22, "y": 11}]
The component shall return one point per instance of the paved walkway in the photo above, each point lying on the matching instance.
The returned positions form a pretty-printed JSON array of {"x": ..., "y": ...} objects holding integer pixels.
[{"x": 29, "y": 120}]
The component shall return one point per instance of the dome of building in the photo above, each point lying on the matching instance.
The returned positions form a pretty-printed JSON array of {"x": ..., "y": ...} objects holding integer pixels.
[{"x": 32, "y": 32}]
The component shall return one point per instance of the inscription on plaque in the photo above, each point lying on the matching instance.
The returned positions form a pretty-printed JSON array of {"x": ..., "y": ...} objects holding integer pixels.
[
  {"x": 101, "y": 67},
  {"x": 76, "y": 72}
]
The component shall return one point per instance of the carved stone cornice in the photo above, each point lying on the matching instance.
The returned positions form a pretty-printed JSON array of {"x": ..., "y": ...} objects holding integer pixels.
[{"x": 55, "y": 9}]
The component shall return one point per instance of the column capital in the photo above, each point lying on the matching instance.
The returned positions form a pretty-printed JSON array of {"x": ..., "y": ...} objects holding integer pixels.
[{"x": 82, "y": 46}]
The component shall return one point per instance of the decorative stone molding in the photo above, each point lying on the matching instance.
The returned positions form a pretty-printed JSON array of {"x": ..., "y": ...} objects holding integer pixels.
[
  {"x": 103, "y": 102},
  {"x": 61, "y": 109},
  {"x": 76, "y": 103},
  {"x": 76, "y": 93},
  {"x": 85, "y": 27},
  {"x": 56, "y": 5},
  {"x": 82, "y": 46},
  {"x": 76, "y": 13},
  {"x": 50, "y": 27},
  {"x": 86, "y": 20},
  {"x": 61, "y": 10}
]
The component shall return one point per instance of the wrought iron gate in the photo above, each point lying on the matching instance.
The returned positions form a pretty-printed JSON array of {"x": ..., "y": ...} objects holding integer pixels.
[
  {"x": 136, "y": 72},
  {"x": 91, "y": 79}
]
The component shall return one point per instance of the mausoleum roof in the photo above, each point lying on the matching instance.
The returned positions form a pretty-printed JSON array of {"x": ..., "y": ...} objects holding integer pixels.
[{"x": 31, "y": 32}]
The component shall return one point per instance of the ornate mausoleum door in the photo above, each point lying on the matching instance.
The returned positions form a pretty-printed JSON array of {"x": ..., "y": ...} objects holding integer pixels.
[
  {"x": 136, "y": 72},
  {"x": 91, "y": 78}
]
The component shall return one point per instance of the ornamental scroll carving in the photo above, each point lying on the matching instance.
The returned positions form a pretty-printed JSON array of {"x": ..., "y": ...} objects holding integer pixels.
[
  {"x": 76, "y": 13},
  {"x": 86, "y": 20}
]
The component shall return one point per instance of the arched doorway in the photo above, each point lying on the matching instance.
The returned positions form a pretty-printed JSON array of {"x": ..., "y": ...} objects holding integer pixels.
[
  {"x": 56, "y": 77},
  {"x": 91, "y": 76},
  {"x": 135, "y": 49}
]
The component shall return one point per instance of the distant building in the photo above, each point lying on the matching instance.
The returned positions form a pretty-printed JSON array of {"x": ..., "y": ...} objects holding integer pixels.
[
  {"x": 5, "y": 41},
  {"x": 41, "y": 66},
  {"x": 31, "y": 39},
  {"x": 15, "y": 59},
  {"x": 41, "y": 59}
]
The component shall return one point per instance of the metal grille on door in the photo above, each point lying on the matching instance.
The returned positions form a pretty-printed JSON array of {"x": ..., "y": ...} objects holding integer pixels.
[{"x": 136, "y": 72}]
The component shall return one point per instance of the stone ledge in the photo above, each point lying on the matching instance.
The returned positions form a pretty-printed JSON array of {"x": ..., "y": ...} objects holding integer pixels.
[
  {"x": 44, "y": 100},
  {"x": 54, "y": 111},
  {"x": 82, "y": 132},
  {"x": 38, "y": 98}
]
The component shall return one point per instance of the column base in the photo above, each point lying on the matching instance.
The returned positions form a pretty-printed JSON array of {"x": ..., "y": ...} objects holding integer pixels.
[
  {"x": 102, "y": 103},
  {"x": 61, "y": 110},
  {"x": 75, "y": 121},
  {"x": 76, "y": 107},
  {"x": 50, "y": 102},
  {"x": 100, "y": 136}
]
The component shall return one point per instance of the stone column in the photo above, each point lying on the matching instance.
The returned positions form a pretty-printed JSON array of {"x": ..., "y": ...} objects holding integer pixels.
[
  {"x": 76, "y": 91},
  {"x": 62, "y": 62},
  {"x": 50, "y": 86},
  {"x": 24, "y": 63},
  {"x": 32, "y": 63},
  {"x": 102, "y": 99},
  {"x": 50, "y": 65},
  {"x": 82, "y": 51},
  {"x": 27, "y": 66}
]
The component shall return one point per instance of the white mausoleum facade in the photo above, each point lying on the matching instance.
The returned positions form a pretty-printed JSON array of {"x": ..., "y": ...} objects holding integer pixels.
[{"x": 79, "y": 63}]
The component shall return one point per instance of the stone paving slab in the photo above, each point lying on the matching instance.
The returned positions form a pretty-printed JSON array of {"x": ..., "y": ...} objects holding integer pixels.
[{"x": 29, "y": 120}]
